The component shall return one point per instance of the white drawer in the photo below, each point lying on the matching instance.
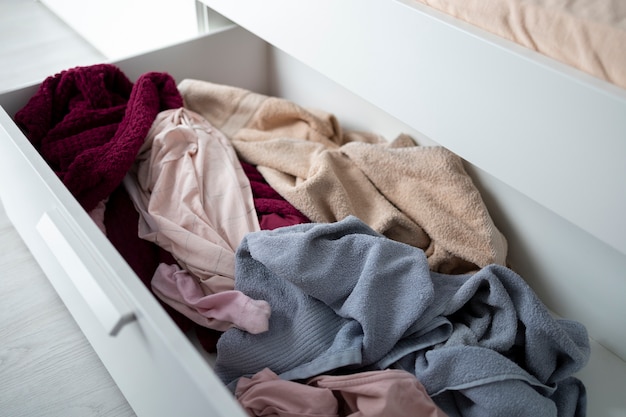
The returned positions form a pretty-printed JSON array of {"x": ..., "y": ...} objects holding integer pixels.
[
  {"x": 158, "y": 369},
  {"x": 156, "y": 366}
]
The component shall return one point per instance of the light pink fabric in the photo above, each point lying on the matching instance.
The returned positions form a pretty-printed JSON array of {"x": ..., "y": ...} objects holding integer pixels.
[
  {"x": 219, "y": 311},
  {"x": 97, "y": 215},
  {"x": 388, "y": 393},
  {"x": 266, "y": 395},
  {"x": 193, "y": 198}
]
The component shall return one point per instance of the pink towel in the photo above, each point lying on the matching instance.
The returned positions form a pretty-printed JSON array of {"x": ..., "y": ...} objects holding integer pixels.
[
  {"x": 384, "y": 393},
  {"x": 219, "y": 311},
  {"x": 89, "y": 122}
]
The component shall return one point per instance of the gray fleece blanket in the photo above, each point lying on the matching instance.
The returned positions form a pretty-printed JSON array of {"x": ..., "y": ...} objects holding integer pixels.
[{"x": 344, "y": 298}]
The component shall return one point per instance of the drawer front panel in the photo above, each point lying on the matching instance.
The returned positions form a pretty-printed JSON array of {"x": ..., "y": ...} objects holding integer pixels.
[{"x": 155, "y": 365}]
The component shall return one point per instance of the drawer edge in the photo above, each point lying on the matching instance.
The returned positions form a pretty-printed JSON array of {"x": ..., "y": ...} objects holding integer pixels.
[{"x": 153, "y": 363}]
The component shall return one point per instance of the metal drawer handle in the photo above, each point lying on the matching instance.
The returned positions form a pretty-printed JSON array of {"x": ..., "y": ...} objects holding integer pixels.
[{"x": 102, "y": 297}]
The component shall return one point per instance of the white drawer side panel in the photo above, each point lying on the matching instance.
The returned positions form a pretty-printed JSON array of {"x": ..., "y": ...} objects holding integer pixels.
[{"x": 547, "y": 130}]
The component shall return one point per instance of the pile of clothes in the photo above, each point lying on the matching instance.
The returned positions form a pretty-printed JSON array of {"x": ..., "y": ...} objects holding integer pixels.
[{"x": 332, "y": 272}]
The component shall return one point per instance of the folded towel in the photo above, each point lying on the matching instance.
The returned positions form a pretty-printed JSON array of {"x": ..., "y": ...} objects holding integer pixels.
[{"x": 89, "y": 122}]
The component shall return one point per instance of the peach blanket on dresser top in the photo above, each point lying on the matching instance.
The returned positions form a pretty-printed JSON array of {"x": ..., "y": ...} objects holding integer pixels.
[{"x": 589, "y": 35}]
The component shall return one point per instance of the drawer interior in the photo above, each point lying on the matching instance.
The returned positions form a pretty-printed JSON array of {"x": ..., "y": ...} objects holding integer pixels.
[{"x": 236, "y": 57}]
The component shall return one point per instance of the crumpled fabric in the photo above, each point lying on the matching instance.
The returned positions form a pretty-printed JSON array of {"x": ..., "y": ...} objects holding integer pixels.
[
  {"x": 346, "y": 298},
  {"x": 195, "y": 201},
  {"x": 219, "y": 311},
  {"x": 387, "y": 393},
  {"x": 88, "y": 123},
  {"x": 418, "y": 195}
]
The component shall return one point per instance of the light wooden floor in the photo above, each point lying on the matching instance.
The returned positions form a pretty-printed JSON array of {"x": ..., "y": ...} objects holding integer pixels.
[
  {"x": 47, "y": 367},
  {"x": 34, "y": 43}
]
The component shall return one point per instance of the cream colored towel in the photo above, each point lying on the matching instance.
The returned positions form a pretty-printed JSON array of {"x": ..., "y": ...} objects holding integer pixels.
[
  {"x": 431, "y": 186},
  {"x": 417, "y": 195}
]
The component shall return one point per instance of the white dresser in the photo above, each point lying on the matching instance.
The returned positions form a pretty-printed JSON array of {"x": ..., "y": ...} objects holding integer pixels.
[{"x": 159, "y": 370}]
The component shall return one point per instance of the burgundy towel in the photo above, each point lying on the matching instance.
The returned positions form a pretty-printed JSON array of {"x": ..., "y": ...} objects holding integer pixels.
[
  {"x": 88, "y": 123},
  {"x": 272, "y": 209}
]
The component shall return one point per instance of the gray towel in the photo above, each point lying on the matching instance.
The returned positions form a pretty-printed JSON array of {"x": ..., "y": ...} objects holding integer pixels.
[
  {"x": 329, "y": 308},
  {"x": 345, "y": 298}
]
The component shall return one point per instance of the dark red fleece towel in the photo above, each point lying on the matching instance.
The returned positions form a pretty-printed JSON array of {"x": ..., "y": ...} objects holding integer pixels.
[
  {"x": 88, "y": 123},
  {"x": 272, "y": 209}
]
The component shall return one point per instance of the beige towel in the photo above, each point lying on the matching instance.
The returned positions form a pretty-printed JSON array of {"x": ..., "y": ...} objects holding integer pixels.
[
  {"x": 417, "y": 195},
  {"x": 431, "y": 186}
]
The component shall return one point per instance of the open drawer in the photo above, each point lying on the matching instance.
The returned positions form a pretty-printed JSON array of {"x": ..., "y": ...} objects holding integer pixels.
[{"x": 157, "y": 367}]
